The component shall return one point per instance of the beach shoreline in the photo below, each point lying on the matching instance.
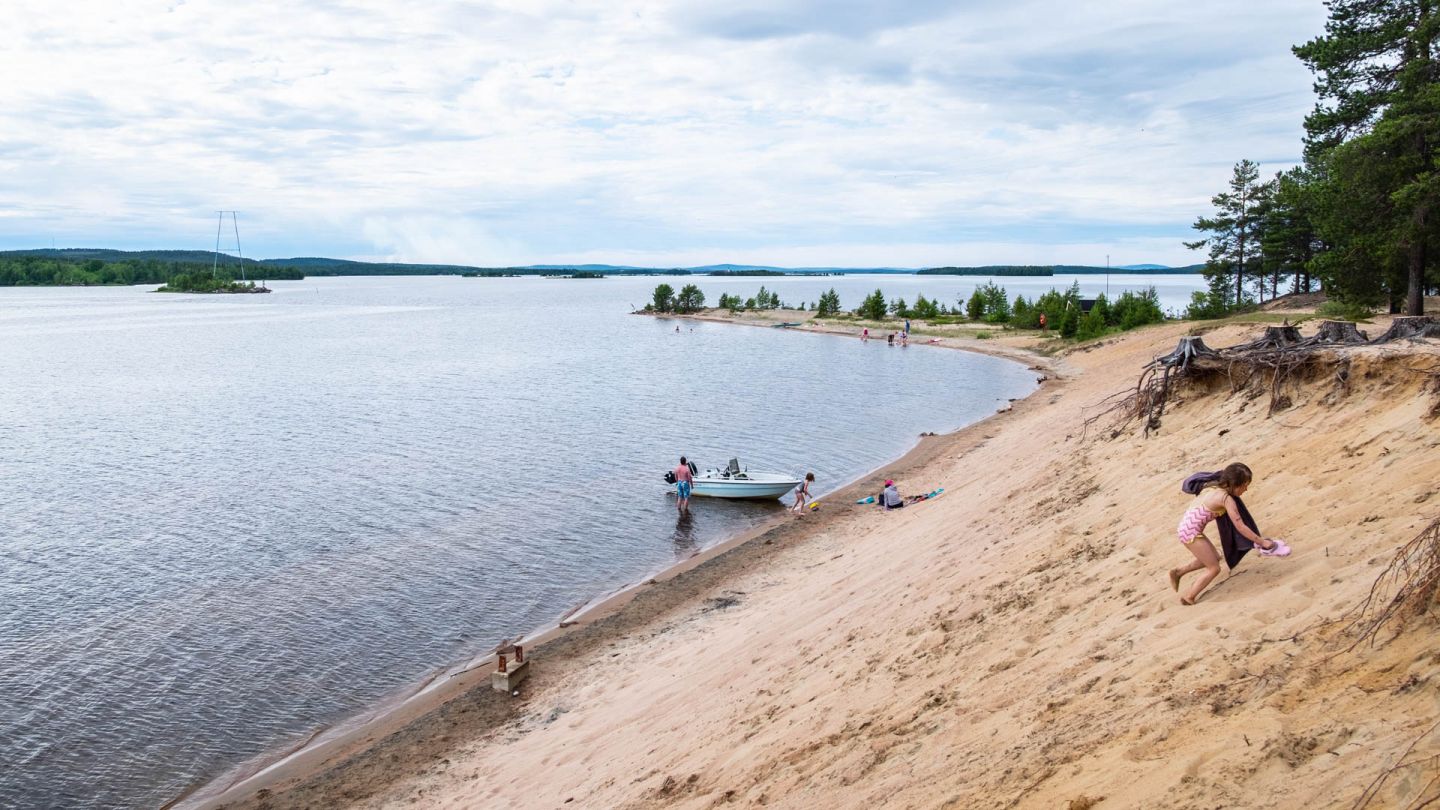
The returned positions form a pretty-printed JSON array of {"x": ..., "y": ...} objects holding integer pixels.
[
  {"x": 336, "y": 743},
  {"x": 1012, "y": 643}
]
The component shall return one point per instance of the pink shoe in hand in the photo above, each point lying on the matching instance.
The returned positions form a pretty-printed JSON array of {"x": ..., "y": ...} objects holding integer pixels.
[{"x": 1280, "y": 549}]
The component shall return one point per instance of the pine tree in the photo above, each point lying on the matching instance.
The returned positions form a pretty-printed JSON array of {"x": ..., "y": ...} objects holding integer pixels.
[
  {"x": 1233, "y": 239},
  {"x": 1377, "y": 127}
]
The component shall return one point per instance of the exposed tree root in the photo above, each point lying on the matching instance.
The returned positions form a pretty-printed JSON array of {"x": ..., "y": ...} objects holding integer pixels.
[
  {"x": 1407, "y": 587},
  {"x": 1278, "y": 356}
]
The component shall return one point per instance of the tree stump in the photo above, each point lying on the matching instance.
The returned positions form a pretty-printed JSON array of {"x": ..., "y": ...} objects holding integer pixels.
[
  {"x": 1338, "y": 332},
  {"x": 1187, "y": 350},
  {"x": 1280, "y": 336},
  {"x": 1417, "y": 326}
]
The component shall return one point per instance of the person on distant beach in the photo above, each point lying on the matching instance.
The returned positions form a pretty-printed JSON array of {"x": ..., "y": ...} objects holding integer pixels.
[
  {"x": 905, "y": 339},
  {"x": 802, "y": 494},
  {"x": 890, "y": 339},
  {"x": 1042, "y": 322},
  {"x": 684, "y": 480},
  {"x": 677, "y": 330},
  {"x": 907, "y": 327},
  {"x": 1218, "y": 498},
  {"x": 890, "y": 496},
  {"x": 865, "y": 335}
]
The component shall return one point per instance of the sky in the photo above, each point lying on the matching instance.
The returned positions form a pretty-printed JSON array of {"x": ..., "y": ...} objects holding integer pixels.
[{"x": 782, "y": 132}]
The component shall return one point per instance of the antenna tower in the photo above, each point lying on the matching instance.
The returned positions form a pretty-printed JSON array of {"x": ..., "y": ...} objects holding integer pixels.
[{"x": 219, "y": 225}]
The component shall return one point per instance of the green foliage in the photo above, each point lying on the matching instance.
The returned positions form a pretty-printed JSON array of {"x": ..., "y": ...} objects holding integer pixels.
[
  {"x": 764, "y": 299},
  {"x": 1374, "y": 135},
  {"x": 1070, "y": 322},
  {"x": 1289, "y": 240},
  {"x": 873, "y": 307},
  {"x": 690, "y": 299},
  {"x": 1233, "y": 240},
  {"x": 828, "y": 305},
  {"x": 1023, "y": 315},
  {"x": 73, "y": 268},
  {"x": 663, "y": 299},
  {"x": 1134, "y": 309},
  {"x": 731, "y": 302},
  {"x": 997, "y": 305},
  {"x": 206, "y": 283},
  {"x": 926, "y": 309},
  {"x": 1091, "y": 325},
  {"x": 1337, "y": 310},
  {"x": 1206, "y": 305},
  {"x": 975, "y": 307},
  {"x": 899, "y": 308}
]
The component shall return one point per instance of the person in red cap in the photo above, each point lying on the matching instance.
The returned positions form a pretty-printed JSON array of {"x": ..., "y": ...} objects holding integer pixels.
[{"x": 890, "y": 496}]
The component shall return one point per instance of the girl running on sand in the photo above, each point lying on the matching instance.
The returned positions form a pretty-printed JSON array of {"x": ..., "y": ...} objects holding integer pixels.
[{"x": 1218, "y": 498}]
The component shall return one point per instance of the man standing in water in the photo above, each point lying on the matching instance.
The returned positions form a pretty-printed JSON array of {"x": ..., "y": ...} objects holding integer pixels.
[{"x": 683, "y": 481}]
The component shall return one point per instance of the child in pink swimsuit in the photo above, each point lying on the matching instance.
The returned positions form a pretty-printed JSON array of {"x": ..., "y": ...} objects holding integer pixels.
[{"x": 1215, "y": 500}]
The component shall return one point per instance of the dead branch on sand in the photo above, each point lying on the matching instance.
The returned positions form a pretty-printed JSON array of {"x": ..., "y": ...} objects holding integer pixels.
[
  {"x": 1373, "y": 789},
  {"x": 1406, "y": 587}
]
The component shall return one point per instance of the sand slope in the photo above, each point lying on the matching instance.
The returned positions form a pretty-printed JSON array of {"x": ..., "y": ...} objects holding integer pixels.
[{"x": 1011, "y": 644}]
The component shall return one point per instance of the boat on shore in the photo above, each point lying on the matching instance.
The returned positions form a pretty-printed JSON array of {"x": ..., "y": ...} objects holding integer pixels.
[{"x": 736, "y": 482}]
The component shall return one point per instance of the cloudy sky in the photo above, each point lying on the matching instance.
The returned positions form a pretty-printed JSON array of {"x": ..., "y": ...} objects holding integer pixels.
[{"x": 790, "y": 132}]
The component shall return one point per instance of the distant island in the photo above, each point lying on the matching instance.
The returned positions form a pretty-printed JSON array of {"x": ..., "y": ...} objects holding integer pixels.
[
  {"x": 205, "y": 283},
  {"x": 102, "y": 266},
  {"x": 1062, "y": 269}
]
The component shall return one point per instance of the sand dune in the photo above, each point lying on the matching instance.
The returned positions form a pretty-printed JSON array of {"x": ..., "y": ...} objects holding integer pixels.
[{"x": 1013, "y": 643}]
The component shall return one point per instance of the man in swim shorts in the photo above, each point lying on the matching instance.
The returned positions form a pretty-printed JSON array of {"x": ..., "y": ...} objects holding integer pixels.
[{"x": 683, "y": 482}]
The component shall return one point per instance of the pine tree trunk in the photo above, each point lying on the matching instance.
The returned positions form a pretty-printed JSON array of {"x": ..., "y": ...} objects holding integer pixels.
[{"x": 1415, "y": 298}]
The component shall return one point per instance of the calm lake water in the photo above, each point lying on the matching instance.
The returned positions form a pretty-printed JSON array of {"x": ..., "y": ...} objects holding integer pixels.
[{"x": 227, "y": 521}]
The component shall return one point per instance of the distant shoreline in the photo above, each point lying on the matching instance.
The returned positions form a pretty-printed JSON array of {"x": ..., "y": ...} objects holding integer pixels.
[{"x": 310, "y": 266}]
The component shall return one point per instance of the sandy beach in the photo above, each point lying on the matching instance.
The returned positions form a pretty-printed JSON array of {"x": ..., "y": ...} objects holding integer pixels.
[{"x": 1013, "y": 643}]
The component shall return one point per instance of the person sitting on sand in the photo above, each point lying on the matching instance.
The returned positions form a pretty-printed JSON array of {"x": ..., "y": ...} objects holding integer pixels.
[
  {"x": 802, "y": 494},
  {"x": 1218, "y": 498},
  {"x": 890, "y": 496}
]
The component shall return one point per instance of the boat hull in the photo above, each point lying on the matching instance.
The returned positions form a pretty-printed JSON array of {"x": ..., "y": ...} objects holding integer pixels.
[{"x": 760, "y": 490}]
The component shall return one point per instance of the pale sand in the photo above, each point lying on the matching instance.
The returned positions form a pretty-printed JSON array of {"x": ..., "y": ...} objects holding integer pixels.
[{"x": 1014, "y": 643}]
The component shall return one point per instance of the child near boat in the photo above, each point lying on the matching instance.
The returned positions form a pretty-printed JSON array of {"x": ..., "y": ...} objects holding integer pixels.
[{"x": 802, "y": 494}]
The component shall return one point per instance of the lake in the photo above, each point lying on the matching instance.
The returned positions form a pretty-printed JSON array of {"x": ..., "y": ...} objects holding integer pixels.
[{"x": 228, "y": 520}]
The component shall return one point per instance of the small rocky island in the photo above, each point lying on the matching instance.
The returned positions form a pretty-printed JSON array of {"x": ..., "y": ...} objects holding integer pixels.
[{"x": 199, "y": 283}]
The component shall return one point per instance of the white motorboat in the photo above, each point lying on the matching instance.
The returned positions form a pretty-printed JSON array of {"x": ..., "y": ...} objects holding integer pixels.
[{"x": 734, "y": 482}]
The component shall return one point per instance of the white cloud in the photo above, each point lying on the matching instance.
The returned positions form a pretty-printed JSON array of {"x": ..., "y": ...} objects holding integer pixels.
[{"x": 518, "y": 132}]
